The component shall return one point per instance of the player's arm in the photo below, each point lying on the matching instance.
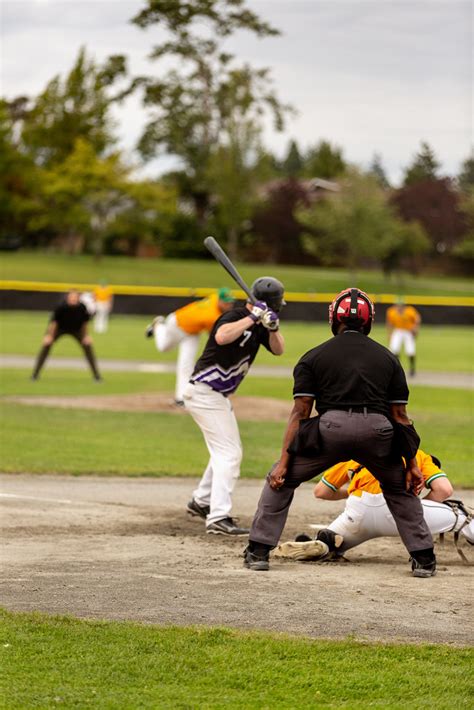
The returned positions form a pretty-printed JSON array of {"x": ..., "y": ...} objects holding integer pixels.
[
  {"x": 440, "y": 489},
  {"x": 229, "y": 332},
  {"x": 301, "y": 410},
  {"x": 276, "y": 342},
  {"x": 416, "y": 324},
  {"x": 323, "y": 492}
]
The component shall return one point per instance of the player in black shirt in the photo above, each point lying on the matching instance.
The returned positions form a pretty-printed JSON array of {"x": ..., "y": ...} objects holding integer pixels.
[
  {"x": 357, "y": 385},
  {"x": 232, "y": 346},
  {"x": 69, "y": 318}
]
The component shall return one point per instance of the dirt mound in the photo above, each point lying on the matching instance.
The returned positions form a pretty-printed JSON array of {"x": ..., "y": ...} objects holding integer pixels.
[{"x": 249, "y": 408}]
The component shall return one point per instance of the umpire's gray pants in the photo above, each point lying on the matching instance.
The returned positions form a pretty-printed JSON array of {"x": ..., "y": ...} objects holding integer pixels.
[{"x": 366, "y": 438}]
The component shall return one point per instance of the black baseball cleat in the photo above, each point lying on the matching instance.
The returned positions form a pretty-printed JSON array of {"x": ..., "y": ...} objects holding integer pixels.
[
  {"x": 419, "y": 569},
  {"x": 194, "y": 509},
  {"x": 259, "y": 562},
  {"x": 226, "y": 526},
  {"x": 149, "y": 330}
]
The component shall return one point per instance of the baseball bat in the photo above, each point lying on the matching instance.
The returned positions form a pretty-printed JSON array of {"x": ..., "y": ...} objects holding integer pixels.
[{"x": 219, "y": 254}]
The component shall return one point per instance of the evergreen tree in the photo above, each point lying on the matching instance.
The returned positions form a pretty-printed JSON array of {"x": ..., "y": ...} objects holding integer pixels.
[
  {"x": 293, "y": 163},
  {"x": 466, "y": 176},
  {"x": 324, "y": 161},
  {"x": 424, "y": 166},
  {"x": 377, "y": 170}
]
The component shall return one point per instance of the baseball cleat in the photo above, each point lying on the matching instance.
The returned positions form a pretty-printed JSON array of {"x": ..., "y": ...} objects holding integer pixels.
[
  {"x": 194, "y": 509},
  {"x": 256, "y": 562},
  {"x": 309, "y": 550},
  {"x": 226, "y": 526},
  {"x": 423, "y": 570},
  {"x": 149, "y": 330}
]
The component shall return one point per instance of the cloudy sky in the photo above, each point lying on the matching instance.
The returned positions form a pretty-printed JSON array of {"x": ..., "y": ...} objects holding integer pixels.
[{"x": 368, "y": 75}]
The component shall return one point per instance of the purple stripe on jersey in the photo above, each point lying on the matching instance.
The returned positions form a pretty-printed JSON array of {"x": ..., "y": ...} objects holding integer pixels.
[{"x": 221, "y": 380}]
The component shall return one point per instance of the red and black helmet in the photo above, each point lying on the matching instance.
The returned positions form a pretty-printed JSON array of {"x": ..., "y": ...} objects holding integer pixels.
[{"x": 353, "y": 308}]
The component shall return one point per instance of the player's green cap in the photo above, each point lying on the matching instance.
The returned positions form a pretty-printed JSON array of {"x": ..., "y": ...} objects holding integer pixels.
[{"x": 225, "y": 295}]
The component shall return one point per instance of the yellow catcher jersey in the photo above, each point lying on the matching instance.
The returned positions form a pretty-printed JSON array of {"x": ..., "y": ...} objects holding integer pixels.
[
  {"x": 406, "y": 319},
  {"x": 360, "y": 479},
  {"x": 199, "y": 315}
]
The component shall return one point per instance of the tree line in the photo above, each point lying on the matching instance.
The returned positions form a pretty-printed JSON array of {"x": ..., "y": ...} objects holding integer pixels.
[{"x": 65, "y": 185}]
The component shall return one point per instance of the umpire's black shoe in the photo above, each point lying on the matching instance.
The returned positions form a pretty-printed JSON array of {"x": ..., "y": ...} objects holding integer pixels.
[
  {"x": 420, "y": 569},
  {"x": 226, "y": 526},
  {"x": 259, "y": 562},
  {"x": 195, "y": 509}
]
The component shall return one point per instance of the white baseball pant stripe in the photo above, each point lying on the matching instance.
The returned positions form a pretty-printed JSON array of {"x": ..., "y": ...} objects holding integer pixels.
[
  {"x": 402, "y": 338},
  {"x": 368, "y": 516},
  {"x": 214, "y": 415},
  {"x": 168, "y": 335}
]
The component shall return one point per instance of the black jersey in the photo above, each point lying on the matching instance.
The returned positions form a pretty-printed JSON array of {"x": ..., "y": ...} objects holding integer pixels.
[
  {"x": 351, "y": 370},
  {"x": 223, "y": 367},
  {"x": 70, "y": 319}
]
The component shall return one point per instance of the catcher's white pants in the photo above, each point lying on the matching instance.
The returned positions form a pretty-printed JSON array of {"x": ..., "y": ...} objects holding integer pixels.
[
  {"x": 368, "y": 516},
  {"x": 214, "y": 415},
  {"x": 168, "y": 335},
  {"x": 402, "y": 338},
  {"x": 101, "y": 320}
]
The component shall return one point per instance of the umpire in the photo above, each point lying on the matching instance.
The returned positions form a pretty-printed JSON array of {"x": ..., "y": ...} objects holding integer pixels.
[
  {"x": 69, "y": 318},
  {"x": 361, "y": 394}
]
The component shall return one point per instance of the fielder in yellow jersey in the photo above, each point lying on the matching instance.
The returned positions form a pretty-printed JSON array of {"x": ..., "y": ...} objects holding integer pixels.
[
  {"x": 104, "y": 301},
  {"x": 403, "y": 323},
  {"x": 366, "y": 515},
  {"x": 183, "y": 328}
]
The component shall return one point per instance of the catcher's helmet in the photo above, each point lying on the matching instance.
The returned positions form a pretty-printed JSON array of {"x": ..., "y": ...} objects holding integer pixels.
[
  {"x": 353, "y": 308},
  {"x": 269, "y": 290}
]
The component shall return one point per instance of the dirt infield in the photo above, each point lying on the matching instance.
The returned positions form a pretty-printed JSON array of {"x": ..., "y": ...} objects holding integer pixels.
[
  {"x": 125, "y": 549},
  {"x": 249, "y": 408}
]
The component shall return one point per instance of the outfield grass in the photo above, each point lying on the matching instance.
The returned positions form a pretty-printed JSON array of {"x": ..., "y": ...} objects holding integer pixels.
[
  {"x": 37, "y": 266},
  {"x": 439, "y": 347},
  {"x": 60, "y": 661},
  {"x": 159, "y": 444}
]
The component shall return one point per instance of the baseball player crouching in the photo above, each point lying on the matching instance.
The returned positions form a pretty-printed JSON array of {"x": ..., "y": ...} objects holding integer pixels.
[
  {"x": 232, "y": 346},
  {"x": 366, "y": 515}
]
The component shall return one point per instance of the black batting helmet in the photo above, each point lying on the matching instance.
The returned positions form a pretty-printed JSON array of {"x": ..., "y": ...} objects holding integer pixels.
[
  {"x": 269, "y": 290},
  {"x": 353, "y": 308}
]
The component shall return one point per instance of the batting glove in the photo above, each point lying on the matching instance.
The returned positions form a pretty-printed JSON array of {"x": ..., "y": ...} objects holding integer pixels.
[
  {"x": 270, "y": 320},
  {"x": 257, "y": 311}
]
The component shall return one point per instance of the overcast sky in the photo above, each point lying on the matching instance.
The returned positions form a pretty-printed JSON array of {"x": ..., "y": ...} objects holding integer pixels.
[{"x": 370, "y": 76}]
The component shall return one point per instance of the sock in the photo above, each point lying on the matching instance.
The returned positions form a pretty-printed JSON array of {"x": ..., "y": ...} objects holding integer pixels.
[
  {"x": 42, "y": 355},
  {"x": 90, "y": 357}
]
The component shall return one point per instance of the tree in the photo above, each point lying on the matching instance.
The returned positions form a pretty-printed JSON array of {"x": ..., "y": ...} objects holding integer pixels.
[
  {"x": 466, "y": 176},
  {"x": 82, "y": 196},
  {"x": 435, "y": 204},
  {"x": 279, "y": 232},
  {"x": 464, "y": 250},
  {"x": 71, "y": 108},
  {"x": 324, "y": 161},
  {"x": 19, "y": 180},
  {"x": 424, "y": 167},
  {"x": 193, "y": 104},
  {"x": 377, "y": 170},
  {"x": 357, "y": 226},
  {"x": 292, "y": 164}
]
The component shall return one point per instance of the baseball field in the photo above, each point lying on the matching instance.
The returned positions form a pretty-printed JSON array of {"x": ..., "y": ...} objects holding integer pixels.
[{"x": 114, "y": 597}]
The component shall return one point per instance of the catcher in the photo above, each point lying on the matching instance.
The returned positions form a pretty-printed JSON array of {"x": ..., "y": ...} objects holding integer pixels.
[{"x": 366, "y": 515}]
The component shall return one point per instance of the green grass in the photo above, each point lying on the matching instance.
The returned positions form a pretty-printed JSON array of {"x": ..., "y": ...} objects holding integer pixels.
[
  {"x": 159, "y": 444},
  {"x": 37, "y": 266},
  {"x": 439, "y": 347},
  {"x": 63, "y": 662}
]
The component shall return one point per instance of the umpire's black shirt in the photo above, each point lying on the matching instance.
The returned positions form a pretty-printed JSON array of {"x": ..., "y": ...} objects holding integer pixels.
[
  {"x": 70, "y": 319},
  {"x": 351, "y": 370}
]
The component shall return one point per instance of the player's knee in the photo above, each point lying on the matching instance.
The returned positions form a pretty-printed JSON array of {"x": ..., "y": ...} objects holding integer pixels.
[
  {"x": 86, "y": 340},
  {"x": 48, "y": 340}
]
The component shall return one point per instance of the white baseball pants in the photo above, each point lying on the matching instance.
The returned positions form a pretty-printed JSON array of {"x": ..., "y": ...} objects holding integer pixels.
[
  {"x": 168, "y": 335},
  {"x": 368, "y": 516},
  {"x": 401, "y": 338},
  {"x": 101, "y": 320},
  {"x": 214, "y": 415}
]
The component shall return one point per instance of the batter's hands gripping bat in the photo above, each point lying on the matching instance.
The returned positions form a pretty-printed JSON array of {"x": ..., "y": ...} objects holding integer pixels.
[{"x": 219, "y": 254}]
